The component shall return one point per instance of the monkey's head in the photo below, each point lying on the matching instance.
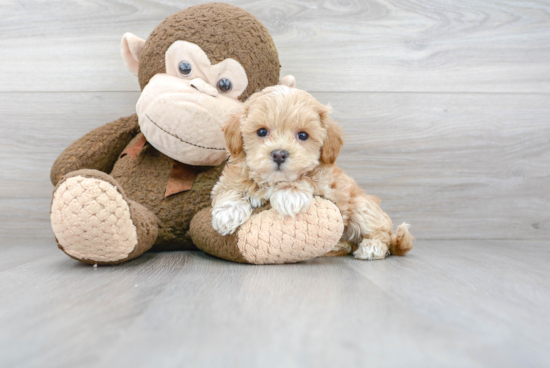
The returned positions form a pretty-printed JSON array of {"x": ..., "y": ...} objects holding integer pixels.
[{"x": 195, "y": 69}]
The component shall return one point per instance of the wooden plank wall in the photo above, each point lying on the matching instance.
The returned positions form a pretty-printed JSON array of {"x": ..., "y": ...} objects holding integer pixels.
[{"x": 446, "y": 104}]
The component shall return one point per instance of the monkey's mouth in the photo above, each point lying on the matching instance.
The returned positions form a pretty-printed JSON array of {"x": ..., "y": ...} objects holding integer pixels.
[
  {"x": 182, "y": 123},
  {"x": 183, "y": 140}
]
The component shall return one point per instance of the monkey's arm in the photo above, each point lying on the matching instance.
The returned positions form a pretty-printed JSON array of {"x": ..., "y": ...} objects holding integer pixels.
[{"x": 99, "y": 149}]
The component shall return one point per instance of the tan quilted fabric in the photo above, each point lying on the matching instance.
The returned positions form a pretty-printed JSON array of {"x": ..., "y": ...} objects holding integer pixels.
[
  {"x": 91, "y": 220},
  {"x": 268, "y": 238}
]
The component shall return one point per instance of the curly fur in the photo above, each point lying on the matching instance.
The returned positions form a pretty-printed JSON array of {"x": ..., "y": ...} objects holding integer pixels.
[{"x": 252, "y": 177}]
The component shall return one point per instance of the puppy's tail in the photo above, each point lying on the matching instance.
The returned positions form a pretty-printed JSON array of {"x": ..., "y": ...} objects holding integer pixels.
[{"x": 401, "y": 241}]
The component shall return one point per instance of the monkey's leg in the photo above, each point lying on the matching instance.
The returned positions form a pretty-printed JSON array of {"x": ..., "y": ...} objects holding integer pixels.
[
  {"x": 268, "y": 238},
  {"x": 94, "y": 221}
]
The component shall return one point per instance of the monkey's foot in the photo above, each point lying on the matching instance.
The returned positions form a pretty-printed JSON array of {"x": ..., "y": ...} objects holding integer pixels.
[{"x": 94, "y": 222}]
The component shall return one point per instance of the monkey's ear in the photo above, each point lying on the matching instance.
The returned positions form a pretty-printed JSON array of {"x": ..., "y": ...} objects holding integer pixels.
[
  {"x": 232, "y": 135},
  {"x": 288, "y": 81},
  {"x": 333, "y": 142},
  {"x": 131, "y": 47}
]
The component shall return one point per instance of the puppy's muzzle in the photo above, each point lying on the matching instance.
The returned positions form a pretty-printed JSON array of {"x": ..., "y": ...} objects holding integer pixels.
[{"x": 279, "y": 157}]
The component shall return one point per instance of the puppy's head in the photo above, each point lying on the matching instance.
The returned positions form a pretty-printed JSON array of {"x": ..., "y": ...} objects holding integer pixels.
[{"x": 282, "y": 133}]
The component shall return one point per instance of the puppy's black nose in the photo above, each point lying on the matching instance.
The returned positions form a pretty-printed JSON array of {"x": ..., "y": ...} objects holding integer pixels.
[{"x": 279, "y": 156}]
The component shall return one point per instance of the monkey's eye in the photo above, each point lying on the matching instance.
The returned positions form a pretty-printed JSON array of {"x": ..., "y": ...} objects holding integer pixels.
[
  {"x": 224, "y": 85},
  {"x": 185, "y": 68},
  {"x": 262, "y": 132},
  {"x": 303, "y": 136}
]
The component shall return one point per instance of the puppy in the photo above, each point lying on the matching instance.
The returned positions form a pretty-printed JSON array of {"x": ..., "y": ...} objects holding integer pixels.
[{"x": 283, "y": 149}]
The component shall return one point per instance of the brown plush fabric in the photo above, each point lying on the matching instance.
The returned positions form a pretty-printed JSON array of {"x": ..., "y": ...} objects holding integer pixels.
[
  {"x": 145, "y": 222},
  {"x": 99, "y": 149},
  {"x": 144, "y": 180},
  {"x": 222, "y": 31},
  {"x": 147, "y": 228},
  {"x": 209, "y": 241}
]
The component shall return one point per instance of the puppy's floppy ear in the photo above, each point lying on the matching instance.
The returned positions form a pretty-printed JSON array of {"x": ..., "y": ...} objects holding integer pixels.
[
  {"x": 333, "y": 143},
  {"x": 232, "y": 134}
]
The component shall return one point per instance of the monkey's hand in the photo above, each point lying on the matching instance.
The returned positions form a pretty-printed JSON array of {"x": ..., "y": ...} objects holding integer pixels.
[{"x": 99, "y": 149}]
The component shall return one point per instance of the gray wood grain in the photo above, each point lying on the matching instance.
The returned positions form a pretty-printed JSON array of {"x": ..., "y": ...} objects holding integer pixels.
[
  {"x": 448, "y": 303},
  {"x": 409, "y": 45},
  {"x": 463, "y": 166},
  {"x": 455, "y": 166}
]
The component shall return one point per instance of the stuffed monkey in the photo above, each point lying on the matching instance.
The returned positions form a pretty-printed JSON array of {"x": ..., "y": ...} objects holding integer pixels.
[{"x": 138, "y": 182}]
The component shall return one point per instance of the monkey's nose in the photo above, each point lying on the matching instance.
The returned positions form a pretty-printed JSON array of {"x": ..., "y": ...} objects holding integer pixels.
[
  {"x": 204, "y": 87},
  {"x": 279, "y": 156}
]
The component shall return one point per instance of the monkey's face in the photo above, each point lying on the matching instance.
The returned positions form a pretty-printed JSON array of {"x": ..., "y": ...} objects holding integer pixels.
[{"x": 181, "y": 112}]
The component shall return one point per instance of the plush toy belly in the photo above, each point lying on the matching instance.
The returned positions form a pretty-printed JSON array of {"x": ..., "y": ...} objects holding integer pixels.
[{"x": 145, "y": 179}]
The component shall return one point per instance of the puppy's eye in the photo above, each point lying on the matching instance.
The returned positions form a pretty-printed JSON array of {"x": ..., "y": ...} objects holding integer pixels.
[
  {"x": 225, "y": 85},
  {"x": 185, "y": 68},
  {"x": 262, "y": 132},
  {"x": 303, "y": 136}
]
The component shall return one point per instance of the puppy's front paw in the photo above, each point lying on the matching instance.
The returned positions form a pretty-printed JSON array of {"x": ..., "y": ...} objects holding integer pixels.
[
  {"x": 371, "y": 249},
  {"x": 227, "y": 217},
  {"x": 289, "y": 202}
]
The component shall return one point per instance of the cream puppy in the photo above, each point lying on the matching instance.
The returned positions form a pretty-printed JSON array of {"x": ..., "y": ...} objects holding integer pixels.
[{"x": 283, "y": 148}]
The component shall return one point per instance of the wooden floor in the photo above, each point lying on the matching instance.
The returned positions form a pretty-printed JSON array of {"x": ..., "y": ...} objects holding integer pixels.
[
  {"x": 446, "y": 108},
  {"x": 447, "y": 304}
]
